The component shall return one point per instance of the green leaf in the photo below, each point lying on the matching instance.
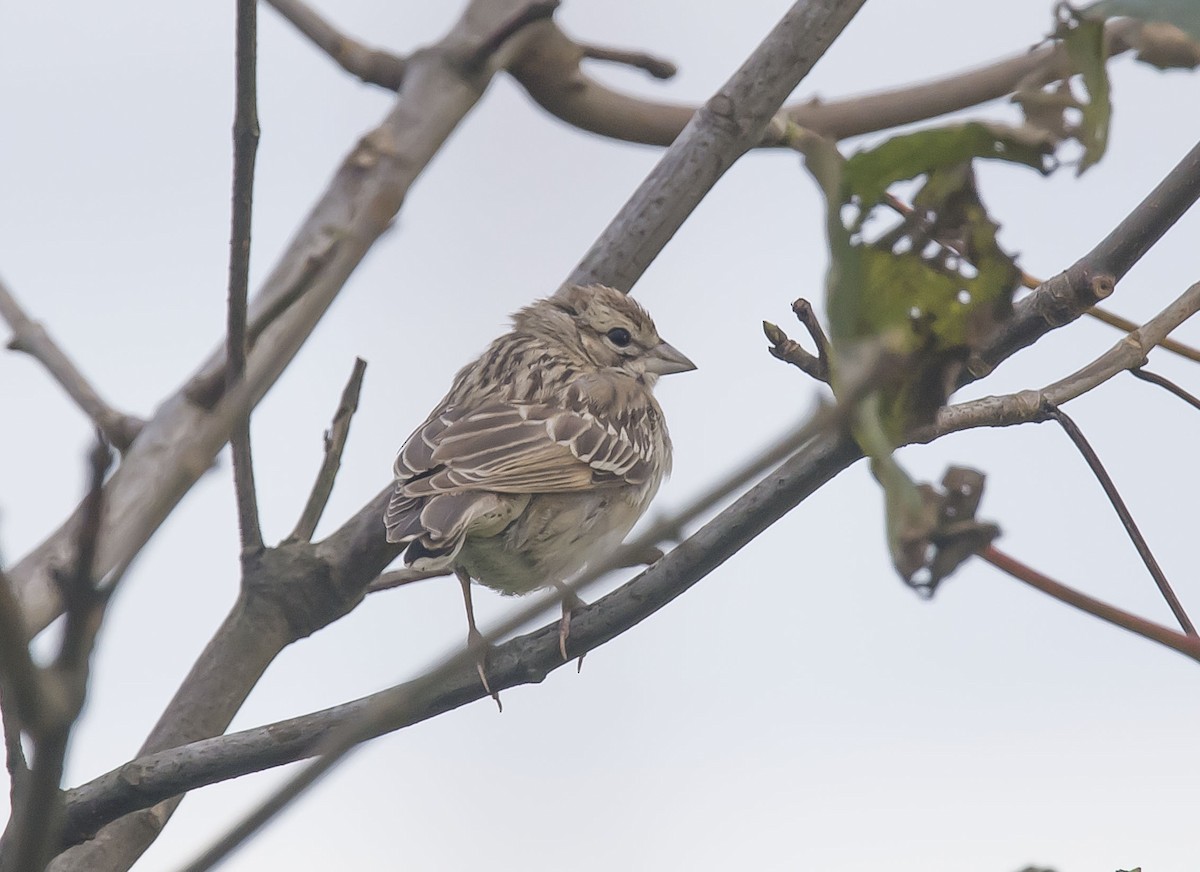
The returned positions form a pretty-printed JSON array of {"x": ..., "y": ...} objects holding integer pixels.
[
  {"x": 869, "y": 173},
  {"x": 922, "y": 293},
  {"x": 1084, "y": 42}
]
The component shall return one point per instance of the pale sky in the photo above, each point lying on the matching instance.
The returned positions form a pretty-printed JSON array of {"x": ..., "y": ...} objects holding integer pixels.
[{"x": 799, "y": 708}]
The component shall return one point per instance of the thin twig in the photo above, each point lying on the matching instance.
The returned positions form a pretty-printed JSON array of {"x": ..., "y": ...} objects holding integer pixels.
[
  {"x": 1114, "y": 496},
  {"x": 1189, "y": 646},
  {"x": 1163, "y": 382},
  {"x": 31, "y": 338},
  {"x": 371, "y": 65},
  {"x": 657, "y": 67},
  {"x": 789, "y": 351},
  {"x": 245, "y": 150},
  {"x": 1114, "y": 320},
  {"x": 335, "y": 442},
  {"x": 401, "y": 577}
]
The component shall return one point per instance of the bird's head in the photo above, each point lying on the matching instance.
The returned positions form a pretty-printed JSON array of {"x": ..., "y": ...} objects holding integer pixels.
[{"x": 603, "y": 328}]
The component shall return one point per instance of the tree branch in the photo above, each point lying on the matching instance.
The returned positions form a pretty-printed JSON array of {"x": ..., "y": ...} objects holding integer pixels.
[
  {"x": 335, "y": 442},
  {"x": 550, "y": 70},
  {"x": 30, "y": 337},
  {"x": 1127, "y": 521},
  {"x": 1060, "y": 299},
  {"x": 726, "y": 127},
  {"x": 1114, "y": 320},
  {"x": 401, "y": 577},
  {"x": 245, "y": 150},
  {"x": 1189, "y": 646},
  {"x": 1030, "y": 406},
  {"x": 1165, "y": 383}
]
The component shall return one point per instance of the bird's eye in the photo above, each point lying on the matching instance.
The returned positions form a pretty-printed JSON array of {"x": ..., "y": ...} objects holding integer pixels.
[{"x": 619, "y": 337}]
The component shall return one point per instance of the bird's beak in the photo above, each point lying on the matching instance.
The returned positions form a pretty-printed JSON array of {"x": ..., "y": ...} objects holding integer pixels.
[{"x": 664, "y": 359}]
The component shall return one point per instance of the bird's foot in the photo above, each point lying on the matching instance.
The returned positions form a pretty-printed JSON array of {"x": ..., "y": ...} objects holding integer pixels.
[
  {"x": 570, "y": 604},
  {"x": 480, "y": 647}
]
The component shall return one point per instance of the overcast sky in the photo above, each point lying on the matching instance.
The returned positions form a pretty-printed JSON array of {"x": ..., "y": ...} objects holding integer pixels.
[{"x": 799, "y": 708}]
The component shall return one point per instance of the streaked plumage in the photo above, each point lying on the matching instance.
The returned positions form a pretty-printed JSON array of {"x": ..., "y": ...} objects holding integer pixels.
[{"x": 546, "y": 450}]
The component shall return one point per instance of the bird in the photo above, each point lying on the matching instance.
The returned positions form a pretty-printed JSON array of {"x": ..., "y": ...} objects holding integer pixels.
[{"x": 543, "y": 454}]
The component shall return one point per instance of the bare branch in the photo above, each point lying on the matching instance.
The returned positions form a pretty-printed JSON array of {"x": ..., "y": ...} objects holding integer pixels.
[
  {"x": 868, "y": 113},
  {"x": 400, "y": 577},
  {"x": 335, "y": 442},
  {"x": 1114, "y": 496},
  {"x": 657, "y": 67},
  {"x": 550, "y": 73},
  {"x": 789, "y": 351},
  {"x": 1172, "y": 345},
  {"x": 729, "y": 124},
  {"x": 371, "y": 65},
  {"x": 1189, "y": 646},
  {"x": 245, "y": 150},
  {"x": 1156, "y": 379},
  {"x": 1029, "y": 406},
  {"x": 30, "y": 337},
  {"x": 1060, "y": 299},
  {"x": 549, "y": 70}
]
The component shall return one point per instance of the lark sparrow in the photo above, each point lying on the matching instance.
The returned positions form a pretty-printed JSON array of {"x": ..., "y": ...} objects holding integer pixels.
[{"x": 545, "y": 452}]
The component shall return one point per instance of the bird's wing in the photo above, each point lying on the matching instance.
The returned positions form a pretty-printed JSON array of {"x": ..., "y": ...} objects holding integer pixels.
[{"x": 523, "y": 448}]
